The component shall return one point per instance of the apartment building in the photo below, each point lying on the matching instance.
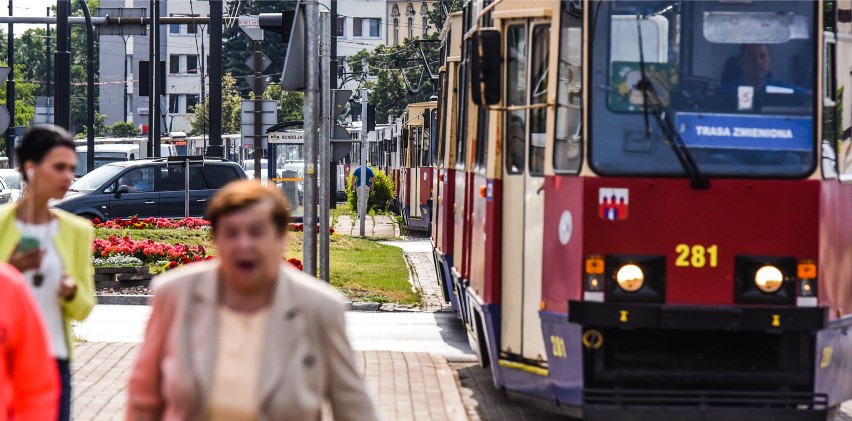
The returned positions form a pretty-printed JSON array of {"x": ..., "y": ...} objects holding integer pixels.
[{"x": 182, "y": 48}]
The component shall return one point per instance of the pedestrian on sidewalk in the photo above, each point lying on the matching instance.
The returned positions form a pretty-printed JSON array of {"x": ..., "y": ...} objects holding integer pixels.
[
  {"x": 29, "y": 382},
  {"x": 246, "y": 336},
  {"x": 368, "y": 188},
  {"x": 51, "y": 247}
]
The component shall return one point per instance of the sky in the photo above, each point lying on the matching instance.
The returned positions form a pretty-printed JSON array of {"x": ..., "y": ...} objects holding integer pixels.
[{"x": 25, "y": 8}]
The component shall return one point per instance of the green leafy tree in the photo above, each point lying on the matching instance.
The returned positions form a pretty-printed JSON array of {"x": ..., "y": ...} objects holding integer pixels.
[
  {"x": 381, "y": 195},
  {"x": 238, "y": 47},
  {"x": 25, "y": 93},
  {"x": 402, "y": 76},
  {"x": 123, "y": 129},
  {"x": 290, "y": 104},
  {"x": 231, "y": 102}
]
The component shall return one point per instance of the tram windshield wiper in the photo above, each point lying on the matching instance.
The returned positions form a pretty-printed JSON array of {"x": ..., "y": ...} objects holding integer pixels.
[{"x": 652, "y": 104}]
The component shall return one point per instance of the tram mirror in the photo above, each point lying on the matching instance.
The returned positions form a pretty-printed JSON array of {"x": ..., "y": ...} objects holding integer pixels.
[{"x": 485, "y": 67}]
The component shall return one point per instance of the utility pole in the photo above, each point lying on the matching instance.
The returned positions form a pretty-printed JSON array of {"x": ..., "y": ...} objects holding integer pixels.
[
  {"x": 362, "y": 188},
  {"x": 48, "y": 92},
  {"x": 215, "y": 113},
  {"x": 152, "y": 77},
  {"x": 90, "y": 88},
  {"x": 10, "y": 93},
  {"x": 157, "y": 88},
  {"x": 126, "y": 93},
  {"x": 326, "y": 122},
  {"x": 258, "y": 112},
  {"x": 332, "y": 185},
  {"x": 311, "y": 136},
  {"x": 62, "y": 57}
]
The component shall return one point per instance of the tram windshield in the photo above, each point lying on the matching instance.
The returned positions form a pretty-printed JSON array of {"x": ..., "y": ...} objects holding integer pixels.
[{"x": 736, "y": 79}]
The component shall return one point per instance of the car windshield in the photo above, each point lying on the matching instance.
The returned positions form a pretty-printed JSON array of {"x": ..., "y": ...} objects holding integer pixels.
[
  {"x": 100, "y": 160},
  {"x": 12, "y": 179},
  {"x": 96, "y": 178},
  {"x": 735, "y": 79}
]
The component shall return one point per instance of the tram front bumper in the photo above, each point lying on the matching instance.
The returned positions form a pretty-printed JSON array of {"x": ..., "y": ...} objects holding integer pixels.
[{"x": 657, "y": 361}]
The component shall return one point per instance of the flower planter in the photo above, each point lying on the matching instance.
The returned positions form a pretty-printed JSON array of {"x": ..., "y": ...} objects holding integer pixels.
[{"x": 114, "y": 277}]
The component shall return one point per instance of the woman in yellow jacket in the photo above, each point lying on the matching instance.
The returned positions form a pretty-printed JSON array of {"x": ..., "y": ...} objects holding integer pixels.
[{"x": 52, "y": 248}]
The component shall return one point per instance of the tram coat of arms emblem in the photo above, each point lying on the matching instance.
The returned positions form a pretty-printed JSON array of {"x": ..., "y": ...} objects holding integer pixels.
[{"x": 613, "y": 204}]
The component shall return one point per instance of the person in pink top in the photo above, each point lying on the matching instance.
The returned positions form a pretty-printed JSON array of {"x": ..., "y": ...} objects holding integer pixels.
[{"x": 29, "y": 381}]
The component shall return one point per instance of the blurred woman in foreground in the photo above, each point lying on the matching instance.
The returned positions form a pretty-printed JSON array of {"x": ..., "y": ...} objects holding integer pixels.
[{"x": 246, "y": 336}]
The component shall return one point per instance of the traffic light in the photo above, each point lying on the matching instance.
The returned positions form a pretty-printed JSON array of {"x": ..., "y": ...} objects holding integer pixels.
[{"x": 291, "y": 25}]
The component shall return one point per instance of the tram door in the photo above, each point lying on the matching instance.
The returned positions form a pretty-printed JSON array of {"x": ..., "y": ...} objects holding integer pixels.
[
  {"x": 526, "y": 44},
  {"x": 414, "y": 169}
]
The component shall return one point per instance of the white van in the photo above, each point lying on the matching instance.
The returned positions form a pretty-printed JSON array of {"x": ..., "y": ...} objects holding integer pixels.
[{"x": 105, "y": 154}]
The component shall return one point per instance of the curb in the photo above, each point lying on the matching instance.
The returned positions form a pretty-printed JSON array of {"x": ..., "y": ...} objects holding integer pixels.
[{"x": 143, "y": 300}]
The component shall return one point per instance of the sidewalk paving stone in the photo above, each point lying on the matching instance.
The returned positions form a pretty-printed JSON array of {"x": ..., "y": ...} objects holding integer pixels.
[{"x": 406, "y": 385}]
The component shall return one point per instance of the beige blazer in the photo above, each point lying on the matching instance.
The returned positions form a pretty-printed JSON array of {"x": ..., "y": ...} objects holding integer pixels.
[{"x": 306, "y": 358}]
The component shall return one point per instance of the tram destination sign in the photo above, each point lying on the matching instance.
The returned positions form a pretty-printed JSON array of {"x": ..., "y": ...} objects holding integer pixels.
[{"x": 295, "y": 137}]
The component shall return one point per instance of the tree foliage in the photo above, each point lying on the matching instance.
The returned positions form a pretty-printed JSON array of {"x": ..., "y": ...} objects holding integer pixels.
[
  {"x": 402, "y": 76},
  {"x": 231, "y": 103},
  {"x": 123, "y": 129},
  {"x": 238, "y": 47}
]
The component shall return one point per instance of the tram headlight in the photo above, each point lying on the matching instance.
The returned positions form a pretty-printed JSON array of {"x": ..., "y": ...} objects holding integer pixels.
[
  {"x": 634, "y": 278},
  {"x": 768, "y": 279},
  {"x": 630, "y": 277},
  {"x": 764, "y": 279}
]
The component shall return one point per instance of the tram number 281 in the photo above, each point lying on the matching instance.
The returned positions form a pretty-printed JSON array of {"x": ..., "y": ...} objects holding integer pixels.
[{"x": 697, "y": 256}]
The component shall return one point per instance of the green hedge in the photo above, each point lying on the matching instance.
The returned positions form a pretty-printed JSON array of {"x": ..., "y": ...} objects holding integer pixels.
[{"x": 381, "y": 197}]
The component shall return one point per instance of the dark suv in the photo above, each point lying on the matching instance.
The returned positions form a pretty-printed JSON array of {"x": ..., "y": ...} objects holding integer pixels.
[{"x": 148, "y": 187}]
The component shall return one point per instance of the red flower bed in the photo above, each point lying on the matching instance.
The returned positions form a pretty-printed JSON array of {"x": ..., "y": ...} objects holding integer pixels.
[
  {"x": 152, "y": 223},
  {"x": 301, "y": 228},
  {"x": 149, "y": 251},
  {"x": 165, "y": 223},
  {"x": 296, "y": 263}
]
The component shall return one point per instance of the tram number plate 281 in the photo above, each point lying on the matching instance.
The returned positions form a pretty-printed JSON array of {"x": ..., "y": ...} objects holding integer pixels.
[{"x": 697, "y": 256}]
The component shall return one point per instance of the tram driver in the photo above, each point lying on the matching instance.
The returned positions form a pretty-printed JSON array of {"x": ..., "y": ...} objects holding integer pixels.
[{"x": 748, "y": 78}]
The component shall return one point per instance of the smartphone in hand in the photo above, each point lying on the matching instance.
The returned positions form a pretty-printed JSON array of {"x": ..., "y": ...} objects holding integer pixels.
[{"x": 28, "y": 243}]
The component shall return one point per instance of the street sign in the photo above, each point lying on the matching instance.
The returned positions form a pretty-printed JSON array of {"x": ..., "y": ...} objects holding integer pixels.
[
  {"x": 44, "y": 110},
  {"x": 269, "y": 116},
  {"x": 263, "y": 81},
  {"x": 251, "y": 26},
  {"x": 264, "y": 62},
  {"x": 4, "y": 113},
  {"x": 294, "y": 137},
  {"x": 341, "y": 97}
]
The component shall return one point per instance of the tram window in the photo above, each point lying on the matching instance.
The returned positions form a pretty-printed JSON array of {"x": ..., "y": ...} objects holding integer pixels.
[
  {"x": 538, "y": 95},
  {"x": 424, "y": 148},
  {"x": 567, "y": 144},
  {"x": 481, "y": 134},
  {"x": 516, "y": 82}
]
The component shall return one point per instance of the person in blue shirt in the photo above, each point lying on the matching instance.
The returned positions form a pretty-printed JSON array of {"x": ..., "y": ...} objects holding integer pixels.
[
  {"x": 754, "y": 69},
  {"x": 137, "y": 183},
  {"x": 357, "y": 175}
]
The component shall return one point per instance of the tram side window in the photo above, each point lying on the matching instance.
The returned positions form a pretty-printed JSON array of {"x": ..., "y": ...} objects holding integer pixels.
[
  {"x": 538, "y": 95},
  {"x": 516, "y": 76},
  {"x": 568, "y": 141}
]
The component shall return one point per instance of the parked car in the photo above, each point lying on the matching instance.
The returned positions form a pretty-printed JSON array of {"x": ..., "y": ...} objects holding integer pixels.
[
  {"x": 147, "y": 187},
  {"x": 14, "y": 181},
  {"x": 5, "y": 193}
]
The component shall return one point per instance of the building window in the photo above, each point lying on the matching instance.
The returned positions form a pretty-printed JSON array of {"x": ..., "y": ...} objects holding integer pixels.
[
  {"x": 192, "y": 64},
  {"x": 373, "y": 25},
  {"x": 174, "y": 104},
  {"x": 395, "y": 31},
  {"x": 424, "y": 15},
  {"x": 410, "y": 27},
  {"x": 341, "y": 26},
  {"x": 192, "y": 28},
  {"x": 357, "y": 27},
  {"x": 191, "y": 102},
  {"x": 174, "y": 64}
]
